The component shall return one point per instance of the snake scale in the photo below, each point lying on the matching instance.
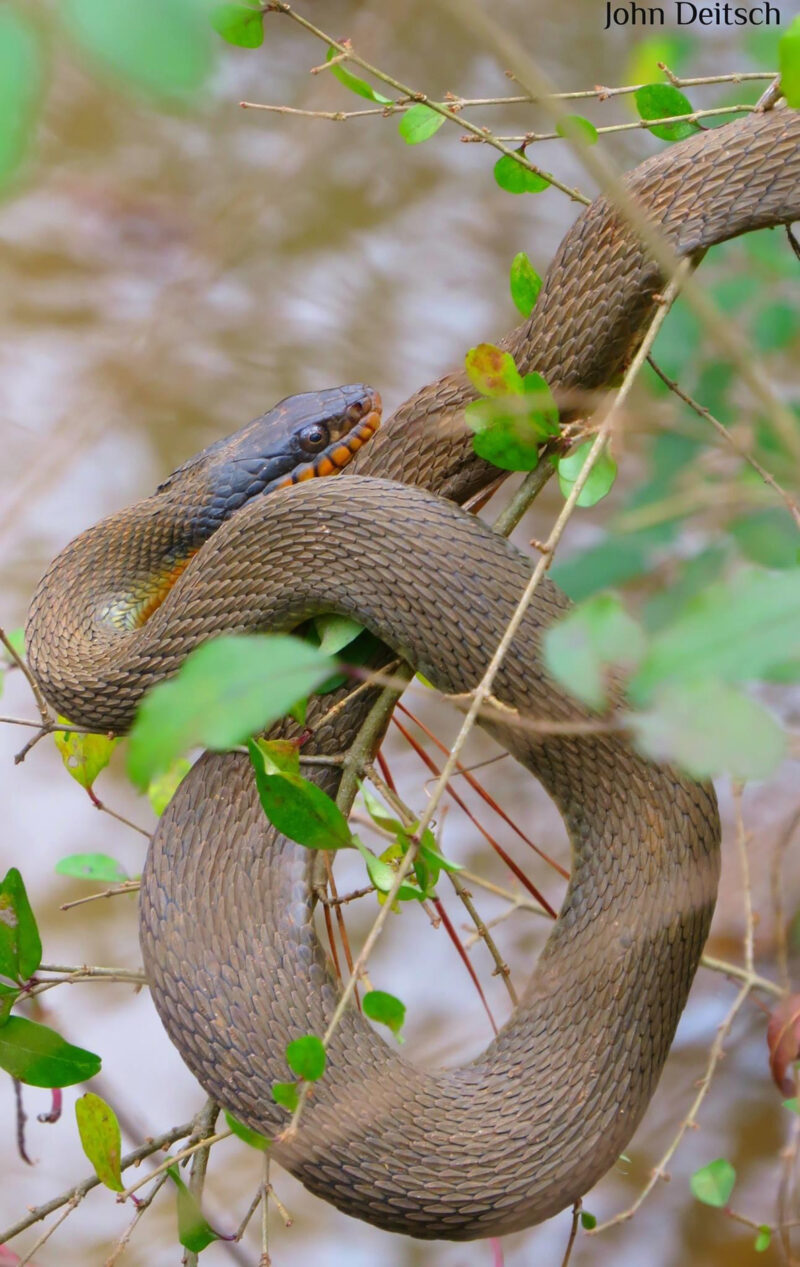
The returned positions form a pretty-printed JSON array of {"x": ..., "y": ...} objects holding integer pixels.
[{"x": 231, "y": 955}]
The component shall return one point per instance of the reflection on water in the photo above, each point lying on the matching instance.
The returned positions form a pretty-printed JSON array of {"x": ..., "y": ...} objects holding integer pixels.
[{"x": 166, "y": 277}]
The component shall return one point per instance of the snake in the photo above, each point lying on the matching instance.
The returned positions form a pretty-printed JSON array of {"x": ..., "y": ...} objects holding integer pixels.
[{"x": 234, "y": 965}]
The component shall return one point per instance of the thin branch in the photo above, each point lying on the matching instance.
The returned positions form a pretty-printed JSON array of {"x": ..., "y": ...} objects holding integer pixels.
[
  {"x": 80, "y": 1190},
  {"x": 530, "y": 138},
  {"x": 144, "y": 1205},
  {"x": 127, "y": 886},
  {"x": 729, "y": 340},
  {"x": 206, "y": 1121},
  {"x": 188, "y": 1151},
  {"x": 716, "y": 1050},
  {"x": 41, "y": 702},
  {"x": 277, "y": 6},
  {"x": 721, "y": 429},
  {"x": 45, "y": 1236}
]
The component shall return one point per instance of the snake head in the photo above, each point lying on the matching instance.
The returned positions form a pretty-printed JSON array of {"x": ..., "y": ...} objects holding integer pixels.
[{"x": 303, "y": 437}]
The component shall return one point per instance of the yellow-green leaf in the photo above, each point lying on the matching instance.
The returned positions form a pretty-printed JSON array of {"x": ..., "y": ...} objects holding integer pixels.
[
  {"x": 84, "y": 756},
  {"x": 163, "y": 787},
  {"x": 100, "y": 1137},
  {"x": 789, "y": 64}
]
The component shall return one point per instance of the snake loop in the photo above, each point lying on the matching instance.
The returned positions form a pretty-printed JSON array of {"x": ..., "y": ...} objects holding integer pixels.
[{"x": 234, "y": 966}]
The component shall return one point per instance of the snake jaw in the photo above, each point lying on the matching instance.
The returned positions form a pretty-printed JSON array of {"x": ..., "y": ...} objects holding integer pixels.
[{"x": 335, "y": 457}]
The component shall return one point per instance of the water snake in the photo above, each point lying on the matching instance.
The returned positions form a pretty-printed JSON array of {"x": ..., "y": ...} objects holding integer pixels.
[{"x": 233, "y": 962}]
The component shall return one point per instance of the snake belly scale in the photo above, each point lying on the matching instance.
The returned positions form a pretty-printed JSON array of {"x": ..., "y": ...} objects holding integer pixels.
[{"x": 235, "y": 969}]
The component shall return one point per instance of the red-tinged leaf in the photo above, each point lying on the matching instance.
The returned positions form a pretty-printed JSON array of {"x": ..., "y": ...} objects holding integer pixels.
[
  {"x": 493, "y": 371},
  {"x": 783, "y": 1041}
]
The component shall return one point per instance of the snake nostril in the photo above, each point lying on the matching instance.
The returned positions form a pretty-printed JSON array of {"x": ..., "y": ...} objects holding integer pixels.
[{"x": 357, "y": 410}]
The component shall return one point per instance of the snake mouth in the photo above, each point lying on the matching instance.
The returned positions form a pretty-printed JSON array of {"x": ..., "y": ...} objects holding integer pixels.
[{"x": 334, "y": 458}]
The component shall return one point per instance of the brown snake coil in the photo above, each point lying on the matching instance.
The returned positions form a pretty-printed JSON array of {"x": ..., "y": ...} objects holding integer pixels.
[{"x": 232, "y": 959}]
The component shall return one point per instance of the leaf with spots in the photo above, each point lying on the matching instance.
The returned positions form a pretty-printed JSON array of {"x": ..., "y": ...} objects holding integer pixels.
[
  {"x": 84, "y": 756},
  {"x": 100, "y": 1138}
]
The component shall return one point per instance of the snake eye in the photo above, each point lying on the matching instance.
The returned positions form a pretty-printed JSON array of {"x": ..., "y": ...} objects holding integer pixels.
[{"x": 313, "y": 437}]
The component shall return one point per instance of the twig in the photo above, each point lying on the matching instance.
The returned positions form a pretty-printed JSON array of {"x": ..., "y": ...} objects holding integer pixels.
[
  {"x": 530, "y": 138},
  {"x": 721, "y": 429},
  {"x": 80, "y": 1190},
  {"x": 277, "y": 6},
  {"x": 142, "y": 1207},
  {"x": 501, "y": 967},
  {"x": 722, "y": 332},
  {"x": 205, "y": 1123},
  {"x": 573, "y": 1232},
  {"x": 45, "y": 1236},
  {"x": 529, "y": 489},
  {"x": 127, "y": 886},
  {"x": 716, "y": 1050},
  {"x": 206, "y": 1142},
  {"x": 733, "y": 970},
  {"x": 41, "y": 702}
]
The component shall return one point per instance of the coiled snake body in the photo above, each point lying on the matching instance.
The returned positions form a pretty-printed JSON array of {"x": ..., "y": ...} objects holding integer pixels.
[{"x": 232, "y": 959}]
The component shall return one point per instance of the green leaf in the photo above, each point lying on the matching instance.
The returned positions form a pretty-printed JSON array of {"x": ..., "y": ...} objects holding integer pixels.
[
  {"x": 573, "y": 127},
  {"x": 710, "y": 728},
  {"x": 510, "y": 429},
  {"x": 789, "y": 64},
  {"x": 525, "y": 283},
  {"x": 21, "y": 83},
  {"x": 516, "y": 177},
  {"x": 286, "y": 1094},
  {"x": 101, "y": 1138},
  {"x": 735, "y": 631},
  {"x": 356, "y": 85},
  {"x": 8, "y": 997},
  {"x": 588, "y": 1221},
  {"x": 384, "y": 1008},
  {"x": 492, "y": 371},
  {"x": 664, "y": 101},
  {"x": 713, "y": 1184},
  {"x": 39, "y": 1056},
  {"x": 775, "y": 326},
  {"x": 84, "y": 756},
  {"x": 224, "y": 691},
  {"x": 793, "y": 1105},
  {"x": 299, "y": 809},
  {"x": 768, "y": 537},
  {"x": 645, "y": 56},
  {"x": 419, "y": 123},
  {"x": 383, "y": 875},
  {"x": 601, "y": 477},
  {"x": 763, "y": 1239},
  {"x": 378, "y": 813},
  {"x": 163, "y": 787},
  {"x": 20, "y": 943},
  {"x": 336, "y": 632},
  {"x": 306, "y": 1057},
  {"x": 279, "y": 756},
  {"x": 614, "y": 561},
  {"x": 253, "y": 1138},
  {"x": 17, "y": 639},
  {"x": 92, "y": 866},
  {"x": 195, "y": 1233},
  {"x": 239, "y": 24},
  {"x": 160, "y": 48},
  {"x": 581, "y": 648}
]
